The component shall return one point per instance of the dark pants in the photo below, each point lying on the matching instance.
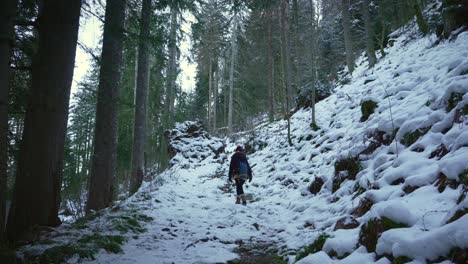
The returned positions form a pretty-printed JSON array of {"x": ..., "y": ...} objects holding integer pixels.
[{"x": 239, "y": 188}]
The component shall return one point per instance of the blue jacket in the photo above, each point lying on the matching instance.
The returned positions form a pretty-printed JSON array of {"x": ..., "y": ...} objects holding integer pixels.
[{"x": 234, "y": 166}]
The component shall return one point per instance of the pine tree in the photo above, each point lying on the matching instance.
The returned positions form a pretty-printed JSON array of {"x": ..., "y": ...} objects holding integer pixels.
[
  {"x": 36, "y": 195},
  {"x": 139, "y": 130},
  {"x": 347, "y": 35},
  {"x": 7, "y": 15},
  {"x": 370, "y": 50},
  {"x": 103, "y": 167}
]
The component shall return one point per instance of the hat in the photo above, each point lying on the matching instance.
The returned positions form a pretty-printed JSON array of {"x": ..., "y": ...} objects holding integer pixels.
[{"x": 239, "y": 148}]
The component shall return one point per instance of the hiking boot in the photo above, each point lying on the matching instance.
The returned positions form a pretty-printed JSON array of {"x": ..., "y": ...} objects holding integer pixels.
[
  {"x": 237, "y": 200},
  {"x": 244, "y": 202}
]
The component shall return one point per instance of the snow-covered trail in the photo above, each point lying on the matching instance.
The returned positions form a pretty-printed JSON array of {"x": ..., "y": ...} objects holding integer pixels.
[{"x": 196, "y": 220}]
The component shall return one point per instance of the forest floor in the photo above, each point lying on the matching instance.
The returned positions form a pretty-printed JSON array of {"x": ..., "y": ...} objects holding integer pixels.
[{"x": 196, "y": 221}]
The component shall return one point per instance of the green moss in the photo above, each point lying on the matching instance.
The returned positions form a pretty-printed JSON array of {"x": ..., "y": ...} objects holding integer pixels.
[
  {"x": 410, "y": 138},
  {"x": 351, "y": 165},
  {"x": 454, "y": 99},
  {"x": 82, "y": 222},
  {"x": 465, "y": 110},
  {"x": 401, "y": 260},
  {"x": 458, "y": 214},
  {"x": 458, "y": 255},
  {"x": 358, "y": 189},
  {"x": 130, "y": 223},
  {"x": 390, "y": 224},
  {"x": 108, "y": 242},
  {"x": 8, "y": 254},
  {"x": 464, "y": 177},
  {"x": 367, "y": 109},
  {"x": 314, "y": 247},
  {"x": 60, "y": 254},
  {"x": 314, "y": 127}
]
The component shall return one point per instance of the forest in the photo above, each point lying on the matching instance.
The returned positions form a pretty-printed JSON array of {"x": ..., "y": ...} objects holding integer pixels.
[{"x": 70, "y": 147}]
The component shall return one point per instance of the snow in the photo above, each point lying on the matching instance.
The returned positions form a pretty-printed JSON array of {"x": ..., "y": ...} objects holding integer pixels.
[
  {"x": 196, "y": 220},
  {"x": 208, "y": 226}
]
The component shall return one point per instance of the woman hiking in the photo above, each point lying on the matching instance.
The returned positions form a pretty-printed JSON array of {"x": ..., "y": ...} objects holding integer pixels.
[{"x": 240, "y": 170}]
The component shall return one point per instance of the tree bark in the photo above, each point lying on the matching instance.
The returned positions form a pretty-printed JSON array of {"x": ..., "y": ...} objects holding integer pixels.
[
  {"x": 231, "y": 73},
  {"x": 103, "y": 166},
  {"x": 172, "y": 64},
  {"x": 370, "y": 49},
  {"x": 286, "y": 63},
  {"x": 215, "y": 99},
  {"x": 297, "y": 45},
  {"x": 347, "y": 35},
  {"x": 7, "y": 17},
  {"x": 210, "y": 91},
  {"x": 287, "y": 53},
  {"x": 313, "y": 58},
  {"x": 271, "y": 103},
  {"x": 422, "y": 25},
  {"x": 139, "y": 128},
  {"x": 36, "y": 196}
]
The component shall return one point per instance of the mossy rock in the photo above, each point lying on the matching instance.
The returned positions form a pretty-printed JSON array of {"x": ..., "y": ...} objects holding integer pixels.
[
  {"x": 82, "y": 222},
  {"x": 458, "y": 214},
  {"x": 409, "y": 189},
  {"x": 62, "y": 253},
  {"x": 358, "y": 190},
  {"x": 314, "y": 127},
  {"x": 411, "y": 137},
  {"x": 111, "y": 243},
  {"x": 316, "y": 185},
  {"x": 8, "y": 255},
  {"x": 452, "y": 102},
  {"x": 373, "y": 229},
  {"x": 364, "y": 206},
  {"x": 367, "y": 109},
  {"x": 345, "y": 169},
  {"x": 346, "y": 222},
  {"x": 442, "y": 183},
  {"x": 458, "y": 255},
  {"x": 439, "y": 152},
  {"x": 314, "y": 247},
  {"x": 401, "y": 260},
  {"x": 376, "y": 139}
]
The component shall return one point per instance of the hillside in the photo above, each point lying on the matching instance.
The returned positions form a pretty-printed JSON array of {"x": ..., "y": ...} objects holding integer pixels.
[{"x": 386, "y": 186}]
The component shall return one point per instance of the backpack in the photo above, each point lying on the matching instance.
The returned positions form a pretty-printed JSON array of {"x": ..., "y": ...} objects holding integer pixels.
[{"x": 243, "y": 170}]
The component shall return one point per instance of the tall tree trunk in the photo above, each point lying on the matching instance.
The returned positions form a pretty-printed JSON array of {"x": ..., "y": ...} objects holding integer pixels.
[
  {"x": 297, "y": 45},
  {"x": 7, "y": 16},
  {"x": 36, "y": 197},
  {"x": 369, "y": 34},
  {"x": 210, "y": 91},
  {"x": 215, "y": 99},
  {"x": 103, "y": 166},
  {"x": 271, "y": 103},
  {"x": 231, "y": 73},
  {"x": 287, "y": 52},
  {"x": 139, "y": 128},
  {"x": 347, "y": 35},
  {"x": 313, "y": 57},
  {"x": 422, "y": 25},
  {"x": 286, "y": 63},
  {"x": 172, "y": 64}
]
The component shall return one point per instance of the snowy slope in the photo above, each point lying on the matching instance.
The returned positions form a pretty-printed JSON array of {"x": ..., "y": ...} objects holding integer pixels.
[
  {"x": 400, "y": 195},
  {"x": 197, "y": 222}
]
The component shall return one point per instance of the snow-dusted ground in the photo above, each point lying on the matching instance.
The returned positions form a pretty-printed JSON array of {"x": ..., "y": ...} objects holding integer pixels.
[{"x": 196, "y": 220}]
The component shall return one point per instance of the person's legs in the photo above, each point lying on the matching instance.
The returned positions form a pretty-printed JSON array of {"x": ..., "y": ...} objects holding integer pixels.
[{"x": 240, "y": 191}]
